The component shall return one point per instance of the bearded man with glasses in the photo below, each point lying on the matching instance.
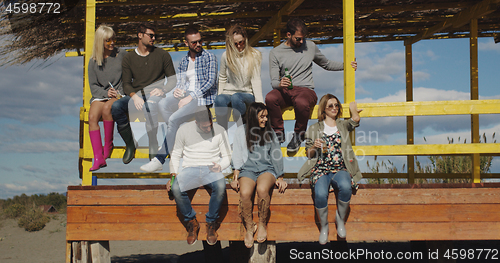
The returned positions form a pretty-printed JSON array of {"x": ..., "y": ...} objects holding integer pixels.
[
  {"x": 196, "y": 88},
  {"x": 295, "y": 54},
  {"x": 148, "y": 73}
]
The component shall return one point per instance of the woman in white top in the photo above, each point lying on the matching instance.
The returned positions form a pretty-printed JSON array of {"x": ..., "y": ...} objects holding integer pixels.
[
  {"x": 239, "y": 76},
  {"x": 105, "y": 81}
]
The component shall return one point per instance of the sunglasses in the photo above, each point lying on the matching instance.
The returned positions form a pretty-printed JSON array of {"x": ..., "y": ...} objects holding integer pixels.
[
  {"x": 298, "y": 39},
  {"x": 336, "y": 105},
  {"x": 196, "y": 42},
  {"x": 239, "y": 43},
  {"x": 150, "y": 35}
]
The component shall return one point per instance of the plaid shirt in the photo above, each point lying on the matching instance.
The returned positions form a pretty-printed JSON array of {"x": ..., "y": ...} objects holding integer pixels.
[{"x": 206, "y": 77}]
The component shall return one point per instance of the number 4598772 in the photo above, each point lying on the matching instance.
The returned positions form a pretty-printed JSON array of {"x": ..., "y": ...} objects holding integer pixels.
[{"x": 33, "y": 8}]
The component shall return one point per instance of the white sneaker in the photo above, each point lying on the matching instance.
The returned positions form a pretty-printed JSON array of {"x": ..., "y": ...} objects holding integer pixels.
[{"x": 153, "y": 166}]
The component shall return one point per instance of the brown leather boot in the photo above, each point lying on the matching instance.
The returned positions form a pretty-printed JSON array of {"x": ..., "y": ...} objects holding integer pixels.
[
  {"x": 247, "y": 220},
  {"x": 263, "y": 205},
  {"x": 193, "y": 228},
  {"x": 212, "y": 233}
]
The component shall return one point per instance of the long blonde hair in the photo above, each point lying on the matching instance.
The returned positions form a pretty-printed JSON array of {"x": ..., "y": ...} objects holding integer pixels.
[
  {"x": 102, "y": 33},
  {"x": 251, "y": 55}
]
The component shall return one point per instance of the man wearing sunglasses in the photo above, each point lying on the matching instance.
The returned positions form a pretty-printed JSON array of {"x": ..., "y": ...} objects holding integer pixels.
[
  {"x": 148, "y": 73},
  {"x": 196, "y": 88},
  {"x": 295, "y": 54}
]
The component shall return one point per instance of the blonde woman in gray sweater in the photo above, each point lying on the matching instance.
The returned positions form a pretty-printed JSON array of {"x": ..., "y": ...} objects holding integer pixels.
[
  {"x": 239, "y": 76},
  {"x": 105, "y": 81}
]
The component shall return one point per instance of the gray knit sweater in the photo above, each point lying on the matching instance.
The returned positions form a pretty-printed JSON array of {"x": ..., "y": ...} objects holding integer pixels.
[
  {"x": 109, "y": 72},
  {"x": 299, "y": 64}
]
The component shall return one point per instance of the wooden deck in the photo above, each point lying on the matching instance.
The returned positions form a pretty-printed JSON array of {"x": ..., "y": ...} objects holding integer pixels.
[{"x": 378, "y": 212}]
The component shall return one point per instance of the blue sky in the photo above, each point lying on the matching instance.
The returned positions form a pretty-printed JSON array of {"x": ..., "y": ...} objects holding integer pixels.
[{"x": 40, "y": 105}]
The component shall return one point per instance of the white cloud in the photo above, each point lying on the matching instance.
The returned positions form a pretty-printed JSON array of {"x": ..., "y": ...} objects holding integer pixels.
[{"x": 488, "y": 45}]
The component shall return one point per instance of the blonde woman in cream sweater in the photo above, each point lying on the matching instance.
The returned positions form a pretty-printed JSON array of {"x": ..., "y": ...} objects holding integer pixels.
[{"x": 239, "y": 77}]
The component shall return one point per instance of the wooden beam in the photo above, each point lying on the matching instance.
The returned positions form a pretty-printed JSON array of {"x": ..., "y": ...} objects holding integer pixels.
[
  {"x": 275, "y": 21},
  {"x": 480, "y": 9},
  {"x": 171, "y": 2},
  {"x": 474, "y": 95},
  {"x": 410, "y": 159},
  {"x": 349, "y": 51}
]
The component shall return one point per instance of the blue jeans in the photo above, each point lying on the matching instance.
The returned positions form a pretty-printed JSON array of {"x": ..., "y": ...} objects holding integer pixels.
[
  {"x": 184, "y": 204},
  {"x": 120, "y": 110},
  {"x": 173, "y": 117},
  {"x": 238, "y": 101},
  {"x": 340, "y": 181}
]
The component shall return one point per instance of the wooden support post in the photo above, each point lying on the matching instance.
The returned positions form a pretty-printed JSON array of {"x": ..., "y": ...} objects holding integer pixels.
[
  {"x": 474, "y": 95},
  {"x": 100, "y": 252},
  {"x": 89, "y": 41},
  {"x": 80, "y": 252},
  {"x": 277, "y": 37},
  {"x": 410, "y": 159},
  {"x": 259, "y": 253},
  {"x": 349, "y": 56}
]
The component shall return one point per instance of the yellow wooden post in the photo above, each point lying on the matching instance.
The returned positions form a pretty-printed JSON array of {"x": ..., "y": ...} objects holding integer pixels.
[
  {"x": 277, "y": 37},
  {"x": 410, "y": 159},
  {"x": 349, "y": 55},
  {"x": 474, "y": 95},
  {"x": 89, "y": 41}
]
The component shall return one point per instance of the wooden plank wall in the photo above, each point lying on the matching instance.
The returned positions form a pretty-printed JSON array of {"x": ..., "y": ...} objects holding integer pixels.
[{"x": 386, "y": 212}]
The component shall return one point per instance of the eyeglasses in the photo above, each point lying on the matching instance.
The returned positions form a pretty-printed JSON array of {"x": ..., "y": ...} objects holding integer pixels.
[
  {"x": 150, "y": 35},
  {"x": 110, "y": 40},
  {"x": 239, "y": 43},
  {"x": 196, "y": 42},
  {"x": 331, "y": 106}
]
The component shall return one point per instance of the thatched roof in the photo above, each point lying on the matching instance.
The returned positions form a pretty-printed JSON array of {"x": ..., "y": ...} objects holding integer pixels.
[{"x": 376, "y": 20}]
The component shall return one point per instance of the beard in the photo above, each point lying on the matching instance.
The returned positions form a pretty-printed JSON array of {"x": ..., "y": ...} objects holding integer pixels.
[{"x": 195, "y": 49}]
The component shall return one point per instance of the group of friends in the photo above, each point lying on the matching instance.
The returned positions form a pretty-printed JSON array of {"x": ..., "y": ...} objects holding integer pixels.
[{"x": 145, "y": 80}]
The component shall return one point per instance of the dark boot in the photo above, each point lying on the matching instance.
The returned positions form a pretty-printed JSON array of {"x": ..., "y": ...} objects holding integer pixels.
[
  {"x": 193, "y": 228},
  {"x": 212, "y": 233},
  {"x": 128, "y": 138}
]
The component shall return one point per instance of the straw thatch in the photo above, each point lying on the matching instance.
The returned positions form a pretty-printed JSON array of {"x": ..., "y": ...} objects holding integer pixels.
[{"x": 28, "y": 37}]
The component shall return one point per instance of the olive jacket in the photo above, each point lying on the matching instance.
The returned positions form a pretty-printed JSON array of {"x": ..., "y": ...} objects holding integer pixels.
[{"x": 316, "y": 131}]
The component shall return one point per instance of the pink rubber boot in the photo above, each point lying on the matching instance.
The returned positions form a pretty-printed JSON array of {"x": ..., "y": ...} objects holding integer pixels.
[
  {"x": 109, "y": 128},
  {"x": 99, "y": 161}
]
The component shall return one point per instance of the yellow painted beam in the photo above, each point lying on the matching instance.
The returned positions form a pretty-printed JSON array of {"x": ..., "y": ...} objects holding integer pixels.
[
  {"x": 349, "y": 54},
  {"x": 474, "y": 95},
  {"x": 476, "y": 11},
  {"x": 275, "y": 21},
  {"x": 429, "y": 175},
  {"x": 421, "y": 149},
  {"x": 89, "y": 41},
  {"x": 176, "y": 2},
  {"x": 415, "y": 108}
]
